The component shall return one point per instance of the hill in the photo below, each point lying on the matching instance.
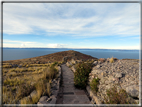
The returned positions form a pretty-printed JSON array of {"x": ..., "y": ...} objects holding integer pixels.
[{"x": 53, "y": 57}]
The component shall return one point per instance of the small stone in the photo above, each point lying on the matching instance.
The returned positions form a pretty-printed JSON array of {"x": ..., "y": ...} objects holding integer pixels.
[
  {"x": 53, "y": 96},
  {"x": 49, "y": 99},
  {"x": 43, "y": 98},
  {"x": 98, "y": 66},
  {"x": 95, "y": 63},
  {"x": 34, "y": 93},
  {"x": 118, "y": 75},
  {"x": 73, "y": 68},
  {"x": 92, "y": 101},
  {"x": 102, "y": 59},
  {"x": 53, "y": 101},
  {"x": 43, "y": 102}
]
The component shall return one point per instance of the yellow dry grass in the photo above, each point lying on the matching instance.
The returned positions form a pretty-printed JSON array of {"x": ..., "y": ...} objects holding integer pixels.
[{"x": 111, "y": 60}]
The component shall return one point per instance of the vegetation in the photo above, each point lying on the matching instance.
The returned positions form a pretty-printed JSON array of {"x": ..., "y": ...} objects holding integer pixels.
[
  {"x": 115, "y": 97},
  {"x": 111, "y": 60},
  {"x": 81, "y": 75},
  {"x": 20, "y": 82},
  {"x": 94, "y": 85},
  {"x": 21, "y": 77}
]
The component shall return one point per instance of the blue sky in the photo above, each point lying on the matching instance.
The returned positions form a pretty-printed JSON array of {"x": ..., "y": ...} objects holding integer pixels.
[{"x": 72, "y": 25}]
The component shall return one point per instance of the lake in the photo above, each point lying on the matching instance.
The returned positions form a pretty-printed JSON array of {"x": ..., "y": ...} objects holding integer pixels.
[{"x": 22, "y": 53}]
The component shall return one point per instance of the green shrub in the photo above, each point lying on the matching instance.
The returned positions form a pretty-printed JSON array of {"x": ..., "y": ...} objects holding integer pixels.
[
  {"x": 94, "y": 85},
  {"x": 115, "y": 97},
  {"x": 81, "y": 75}
]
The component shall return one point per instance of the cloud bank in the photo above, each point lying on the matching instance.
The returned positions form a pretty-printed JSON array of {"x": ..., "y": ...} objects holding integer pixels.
[{"x": 92, "y": 19}]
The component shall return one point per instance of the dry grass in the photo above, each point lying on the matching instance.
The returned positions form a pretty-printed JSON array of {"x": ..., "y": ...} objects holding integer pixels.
[
  {"x": 20, "y": 82},
  {"x": 48, "y": 89},
  {"x": 7, "y": 66},
  {"x": 13, "y": 82},
  {"x": 111, "y": 60},
  {"x": 115, "y": 97}
]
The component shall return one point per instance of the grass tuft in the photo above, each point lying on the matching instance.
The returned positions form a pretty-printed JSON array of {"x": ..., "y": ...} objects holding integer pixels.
[
  {"x": 94, "y": 85},
  {"x": 111, "y": 60}
]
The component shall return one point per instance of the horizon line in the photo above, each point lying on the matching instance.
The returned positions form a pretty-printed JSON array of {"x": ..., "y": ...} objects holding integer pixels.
[{"x": 72, "y": 48}]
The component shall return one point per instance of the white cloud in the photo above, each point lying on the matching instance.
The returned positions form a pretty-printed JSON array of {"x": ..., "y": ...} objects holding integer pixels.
[
  {"x": 20, "y": 44},
  {"x": 13, "y": 41},
  {"x": 56, "y": 45},
  {"x": 54, "y": 18}
]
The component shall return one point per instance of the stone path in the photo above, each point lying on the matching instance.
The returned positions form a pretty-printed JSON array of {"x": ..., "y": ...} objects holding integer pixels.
[{"x": 70, "y": 94}]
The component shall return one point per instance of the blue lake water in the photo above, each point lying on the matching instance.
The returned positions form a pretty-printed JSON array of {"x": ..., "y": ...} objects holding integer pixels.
[{"x": 22, "y": 53}]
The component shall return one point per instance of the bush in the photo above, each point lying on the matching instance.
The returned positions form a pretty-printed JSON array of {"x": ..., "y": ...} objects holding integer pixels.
[
  {"x": 114, "y": 97},
  {"x": 81, "y": 75},
  {"x": 94, "y": 85}
]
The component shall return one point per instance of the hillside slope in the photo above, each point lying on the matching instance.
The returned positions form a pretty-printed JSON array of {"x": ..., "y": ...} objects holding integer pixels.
[{"x": 53, "y": 57}]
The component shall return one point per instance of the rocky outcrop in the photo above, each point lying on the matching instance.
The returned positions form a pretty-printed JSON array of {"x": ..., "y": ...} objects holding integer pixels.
[{"x": 122, "y": 73}]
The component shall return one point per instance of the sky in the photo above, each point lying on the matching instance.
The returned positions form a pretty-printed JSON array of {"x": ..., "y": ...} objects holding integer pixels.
[{"x": 71, "y": 25}]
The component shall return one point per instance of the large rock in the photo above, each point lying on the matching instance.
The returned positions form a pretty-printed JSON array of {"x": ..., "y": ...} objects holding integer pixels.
[{"x": 133, "y": 91}]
